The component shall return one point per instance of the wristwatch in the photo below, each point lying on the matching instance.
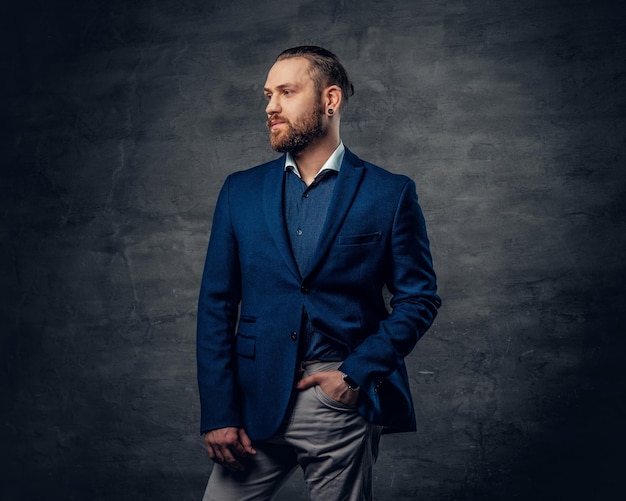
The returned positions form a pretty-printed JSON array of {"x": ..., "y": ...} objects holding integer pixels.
[{"x": 350, "y": 382}]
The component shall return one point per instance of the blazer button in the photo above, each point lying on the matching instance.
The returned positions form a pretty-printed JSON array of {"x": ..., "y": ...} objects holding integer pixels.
[
  {"x": 378, "y": 385},
  {"x": 304, "y": 289},
  {"x": 294, "y": 336}
]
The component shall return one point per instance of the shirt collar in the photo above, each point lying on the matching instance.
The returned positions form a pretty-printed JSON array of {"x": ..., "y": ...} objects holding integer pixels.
[{"x": 333, "y": 162}]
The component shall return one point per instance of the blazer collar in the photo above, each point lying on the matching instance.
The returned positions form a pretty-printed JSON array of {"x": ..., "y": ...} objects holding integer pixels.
[
  {"x": 346, "y": 187},
  {"x": 273, "y": 208}
]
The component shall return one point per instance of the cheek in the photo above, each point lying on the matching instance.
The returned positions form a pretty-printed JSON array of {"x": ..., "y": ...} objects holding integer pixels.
[{"x": 298, "y": 109}]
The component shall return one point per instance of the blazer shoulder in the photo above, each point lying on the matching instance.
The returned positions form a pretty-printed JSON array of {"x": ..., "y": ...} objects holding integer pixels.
[
  {"x": 377, "y": 173},
  {"x": 383, "y": 180},
  {"x": 382, "y": 174},
  {"x": 258, "y": 171},
  {"x": 248, "y": 182}
]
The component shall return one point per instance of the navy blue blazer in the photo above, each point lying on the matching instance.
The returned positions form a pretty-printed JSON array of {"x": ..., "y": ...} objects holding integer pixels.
[{"x": 252, "y": 296}]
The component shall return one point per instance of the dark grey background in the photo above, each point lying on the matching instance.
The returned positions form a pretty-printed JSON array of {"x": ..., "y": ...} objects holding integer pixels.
[{"x": 123, "y": 118}]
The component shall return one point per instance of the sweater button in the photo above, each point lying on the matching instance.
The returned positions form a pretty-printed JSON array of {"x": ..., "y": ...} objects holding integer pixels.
[
  {"x": 304, "y": 289},
  {"x": 294, "y": 336}
]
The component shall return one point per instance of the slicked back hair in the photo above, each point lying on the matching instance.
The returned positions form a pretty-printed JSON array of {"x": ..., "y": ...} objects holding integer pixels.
[{"x": 325, "y": 69}]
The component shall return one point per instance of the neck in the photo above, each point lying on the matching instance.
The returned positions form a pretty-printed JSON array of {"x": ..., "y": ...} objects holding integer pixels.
[{"x": 311, "y": 159}]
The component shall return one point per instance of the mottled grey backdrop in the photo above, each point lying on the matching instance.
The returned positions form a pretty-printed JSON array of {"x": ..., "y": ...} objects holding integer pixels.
[{"x": 122, "y": 119}]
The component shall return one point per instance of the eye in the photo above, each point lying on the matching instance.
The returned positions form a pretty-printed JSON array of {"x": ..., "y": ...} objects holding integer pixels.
[{"x": 287, "y": 92}]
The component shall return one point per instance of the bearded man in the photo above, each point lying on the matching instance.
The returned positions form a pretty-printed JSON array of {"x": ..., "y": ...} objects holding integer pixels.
[{"x": 300, "y": 362}]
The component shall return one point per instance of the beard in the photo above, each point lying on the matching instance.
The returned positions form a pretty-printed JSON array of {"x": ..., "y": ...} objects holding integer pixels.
[{"x": 299, "y": 134}]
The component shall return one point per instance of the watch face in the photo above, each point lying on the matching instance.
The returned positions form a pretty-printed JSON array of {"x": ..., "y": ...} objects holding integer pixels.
[{"x": 350, "y": 382}]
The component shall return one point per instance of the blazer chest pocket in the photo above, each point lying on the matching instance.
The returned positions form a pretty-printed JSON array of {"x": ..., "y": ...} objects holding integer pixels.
[
  {"x": 246, "y": 346},
  {"x": 367, "y": 238}
]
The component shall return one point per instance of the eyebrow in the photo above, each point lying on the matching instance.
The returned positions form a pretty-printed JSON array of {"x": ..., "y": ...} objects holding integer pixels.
[{"x": 281, "y": 86}]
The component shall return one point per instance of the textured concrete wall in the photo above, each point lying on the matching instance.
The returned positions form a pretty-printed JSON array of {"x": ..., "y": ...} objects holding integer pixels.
[{"x": 125, "y": 117}]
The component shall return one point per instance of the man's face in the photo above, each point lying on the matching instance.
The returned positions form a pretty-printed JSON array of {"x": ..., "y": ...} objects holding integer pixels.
[{"x": 295, "y": 112}]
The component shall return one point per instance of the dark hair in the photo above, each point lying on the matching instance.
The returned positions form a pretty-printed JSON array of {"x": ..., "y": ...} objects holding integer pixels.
[{"x": 325, "y": 69}]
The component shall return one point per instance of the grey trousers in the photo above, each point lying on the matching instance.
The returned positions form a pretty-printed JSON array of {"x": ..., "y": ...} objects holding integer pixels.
[{"x": 335, "y": 447}]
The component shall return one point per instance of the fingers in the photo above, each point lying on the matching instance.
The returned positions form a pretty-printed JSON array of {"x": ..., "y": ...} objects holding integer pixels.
[
  {"x": 245, "y": 441},
  {"x": 307, "y": 382},
  {"x": 225, "y": 447},
  {"x": 325, "y": 379},
  {"x": 331, "y": 383}
]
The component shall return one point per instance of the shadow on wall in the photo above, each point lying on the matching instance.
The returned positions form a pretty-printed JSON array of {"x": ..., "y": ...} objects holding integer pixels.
[{"x": 575, "y": 448}]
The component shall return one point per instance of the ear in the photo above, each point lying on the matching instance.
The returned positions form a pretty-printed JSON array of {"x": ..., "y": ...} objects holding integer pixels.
[{"x": 332, "y": 97}]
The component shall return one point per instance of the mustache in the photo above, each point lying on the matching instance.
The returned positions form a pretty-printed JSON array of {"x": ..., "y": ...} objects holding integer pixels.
[{"x": 275, "y": 118}]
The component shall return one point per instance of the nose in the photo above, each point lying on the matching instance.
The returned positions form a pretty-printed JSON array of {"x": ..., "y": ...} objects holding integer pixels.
[{"x": 273, "y": 106}]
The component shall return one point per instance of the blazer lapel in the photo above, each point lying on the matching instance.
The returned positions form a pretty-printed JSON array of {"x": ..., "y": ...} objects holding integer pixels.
[
  {"x": 273, "y": 208},
  {"x": 347, "y": 185}
]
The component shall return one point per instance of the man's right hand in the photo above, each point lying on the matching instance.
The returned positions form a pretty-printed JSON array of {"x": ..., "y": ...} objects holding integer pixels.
[{"x": 226, "y": 446}]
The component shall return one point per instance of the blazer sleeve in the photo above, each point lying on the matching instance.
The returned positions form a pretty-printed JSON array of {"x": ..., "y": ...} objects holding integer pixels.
[
  {"x": 220, "y": 294},
  {"x": 412, "y": 282}
]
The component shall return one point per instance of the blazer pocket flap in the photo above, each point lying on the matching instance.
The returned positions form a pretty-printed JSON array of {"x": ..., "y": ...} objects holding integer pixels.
[
  {"x": 360, "y": 239},
  {"x": 246, "y": 346}
]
